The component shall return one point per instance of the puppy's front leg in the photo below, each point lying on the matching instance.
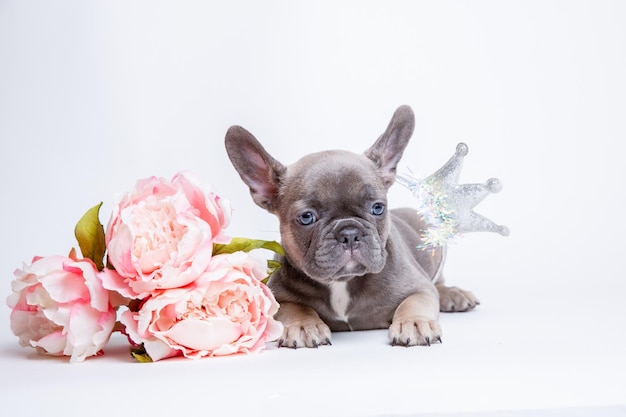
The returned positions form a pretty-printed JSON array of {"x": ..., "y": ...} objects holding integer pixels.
[
  {"x": 302, "y": 327},
  {"x": 415, "y": 321}
]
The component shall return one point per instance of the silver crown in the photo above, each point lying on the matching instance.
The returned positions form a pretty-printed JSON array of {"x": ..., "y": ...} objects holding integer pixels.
[{"x": 447, "y": 206}]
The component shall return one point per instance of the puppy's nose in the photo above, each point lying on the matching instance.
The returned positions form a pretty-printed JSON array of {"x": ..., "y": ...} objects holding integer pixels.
[{"x": 350, "y": 237}]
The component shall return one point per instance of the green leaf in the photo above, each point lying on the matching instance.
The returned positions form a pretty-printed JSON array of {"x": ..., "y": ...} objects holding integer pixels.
[
  {"x": 246, "y": 245},
  {"x": 272, "y": 266},
  {"x": 89, "y": 233},
  {"x": 140, "y": 354}
]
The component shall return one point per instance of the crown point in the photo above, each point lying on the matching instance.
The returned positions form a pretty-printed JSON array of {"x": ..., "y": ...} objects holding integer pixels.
[
  {"x": 503, "y": 230},
  {"x": 494, "y": 185},
  {"x": 462, "y": 149}
]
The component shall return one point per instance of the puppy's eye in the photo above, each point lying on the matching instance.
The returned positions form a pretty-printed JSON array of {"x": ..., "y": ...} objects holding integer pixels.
[
  {"x": 378, "y": 209},
  {"x": 306, "y": 218}
]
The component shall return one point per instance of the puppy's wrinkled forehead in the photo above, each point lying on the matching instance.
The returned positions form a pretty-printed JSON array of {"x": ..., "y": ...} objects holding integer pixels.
[{"x": 334, "y": 175}]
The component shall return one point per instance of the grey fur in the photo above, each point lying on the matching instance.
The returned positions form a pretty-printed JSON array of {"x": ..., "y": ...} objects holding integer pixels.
[{"x": 389, "y": 282}]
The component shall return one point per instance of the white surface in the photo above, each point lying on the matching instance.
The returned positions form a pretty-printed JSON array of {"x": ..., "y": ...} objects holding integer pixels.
[{"x": 95, "y": 95}]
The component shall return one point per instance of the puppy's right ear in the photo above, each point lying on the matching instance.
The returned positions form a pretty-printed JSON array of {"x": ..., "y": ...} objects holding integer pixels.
[{"x": 257, "y": 168}]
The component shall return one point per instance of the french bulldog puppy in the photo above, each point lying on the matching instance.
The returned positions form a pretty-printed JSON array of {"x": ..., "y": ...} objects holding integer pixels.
[{"x": 350, "y": 263}]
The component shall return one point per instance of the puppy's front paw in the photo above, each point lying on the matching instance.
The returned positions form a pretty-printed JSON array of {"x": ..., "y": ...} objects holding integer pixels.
[
  {"x": 453, "y": 299},
  {"x": 414, "y": 331},
  {"x": 307, "y": 333}
]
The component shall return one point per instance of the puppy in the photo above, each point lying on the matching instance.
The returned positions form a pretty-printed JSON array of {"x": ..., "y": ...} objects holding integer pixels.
[{"x": 350, "y": 263}]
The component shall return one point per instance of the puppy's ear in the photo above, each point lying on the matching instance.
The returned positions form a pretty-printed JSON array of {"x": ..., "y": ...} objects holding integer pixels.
[
  {"x": 387, "y": 150},
  {"x": 257, "y": 168}
]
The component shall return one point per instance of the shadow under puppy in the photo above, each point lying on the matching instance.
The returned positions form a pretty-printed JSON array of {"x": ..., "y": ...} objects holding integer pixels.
[{"x": 350, "y": 263}]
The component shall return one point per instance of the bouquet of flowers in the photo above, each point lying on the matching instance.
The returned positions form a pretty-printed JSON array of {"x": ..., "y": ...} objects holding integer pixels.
[{"x": 164, "y": 273}]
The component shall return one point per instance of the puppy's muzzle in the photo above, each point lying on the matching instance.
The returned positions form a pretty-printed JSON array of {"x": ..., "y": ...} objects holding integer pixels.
[{"x": 348, "y": 234}]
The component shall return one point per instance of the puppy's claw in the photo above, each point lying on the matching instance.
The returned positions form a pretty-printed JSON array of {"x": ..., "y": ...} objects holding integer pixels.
[
  {"x": 414, "y": 332},
  {"x": 328, "y": 342},
  {"x": 315, "y": 344},
  {"x": 281, "y": 342},
  {"x": 439, "y": 339},
  {"x": 295, "y": 345},
  {"x": 453, "y": 299}
]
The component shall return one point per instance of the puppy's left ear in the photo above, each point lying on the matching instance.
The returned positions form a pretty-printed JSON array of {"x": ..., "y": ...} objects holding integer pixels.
[{"x": 387, "y": 150}]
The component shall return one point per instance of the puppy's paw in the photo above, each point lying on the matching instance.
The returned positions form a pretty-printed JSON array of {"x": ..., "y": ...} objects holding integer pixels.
[
  {"x": 452, "y": 299},
  {"x": 414, "y": 331},
  {"x": 309, "y": 333}
]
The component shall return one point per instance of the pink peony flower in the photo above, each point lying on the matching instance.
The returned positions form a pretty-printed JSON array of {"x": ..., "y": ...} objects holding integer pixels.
[
  {"x": 227, "y": 310},
  {"x": 60, "y": 307},
  {"x": 161, "y": 235}
]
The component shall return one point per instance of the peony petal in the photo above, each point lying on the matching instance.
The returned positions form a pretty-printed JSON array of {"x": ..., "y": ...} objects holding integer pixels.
[
  {"x": 157, "y": 349},
  {"x": 83, "y": 325},
  {"x": 226, "y": 350},
  {"x": 127, "y": 318},
  {"x": 65, "y": 287},
  {"x": 206, "y": 334},
  {"x": 98, "y": 295},
  {"x": 58, "y": 314},
  {"x": 113, "y": 281},
  {"x": 28, "y": 325},
  {"x": 119, "y": 250},
  {"x": 274, "y": 330},
  {"x": 212, "y": 209},
  {"x": 53, "y": 344}
]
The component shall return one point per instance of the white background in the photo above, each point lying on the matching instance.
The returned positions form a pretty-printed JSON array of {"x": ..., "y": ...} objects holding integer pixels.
[{"x": 95, "y": 95}]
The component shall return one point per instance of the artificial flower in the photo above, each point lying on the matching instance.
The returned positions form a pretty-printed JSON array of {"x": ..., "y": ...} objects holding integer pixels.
[
  {"x": 60, "y": 308},
  {"x": 161, "y": 235},
  {"x": 226, "y": 310}
]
